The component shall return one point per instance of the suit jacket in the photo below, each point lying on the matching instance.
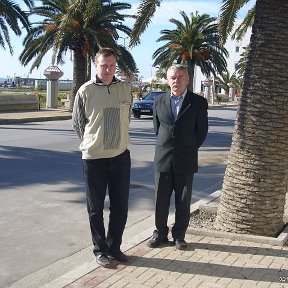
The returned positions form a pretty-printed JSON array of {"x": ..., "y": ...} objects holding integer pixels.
[{"x": 178, "y": 140}]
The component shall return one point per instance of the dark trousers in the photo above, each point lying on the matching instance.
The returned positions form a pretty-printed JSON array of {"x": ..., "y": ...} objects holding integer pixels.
[
  {"x": 165, "y": 184},
  {"x": 114, "y": 174}
]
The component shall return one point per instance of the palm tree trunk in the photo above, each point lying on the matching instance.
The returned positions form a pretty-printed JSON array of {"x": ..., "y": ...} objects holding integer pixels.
[
  {"x": 88, "y": 73},
  {"x": 190, "y": 68},
  {"x": 79, "y": 73},
  {"x": 255, "y": 181}
]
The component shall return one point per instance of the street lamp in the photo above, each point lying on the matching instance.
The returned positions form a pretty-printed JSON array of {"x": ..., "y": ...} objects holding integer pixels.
[
  {"x": 156, "y": 67},
  {"x": 124, "y": 38}
]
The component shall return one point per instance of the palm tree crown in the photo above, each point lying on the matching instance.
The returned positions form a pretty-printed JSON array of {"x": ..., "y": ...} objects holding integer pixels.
[
  {"x": 74, "y": 25},
  {"x": 224, "y": 79},
  {"x": 81, "y": 27},
  {"x": 10, "y": 14},
  {"x": 195, "y": 41}
]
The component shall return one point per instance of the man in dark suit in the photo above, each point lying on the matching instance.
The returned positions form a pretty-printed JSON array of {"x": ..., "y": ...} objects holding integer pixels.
[{"x": 181, "y": 124}]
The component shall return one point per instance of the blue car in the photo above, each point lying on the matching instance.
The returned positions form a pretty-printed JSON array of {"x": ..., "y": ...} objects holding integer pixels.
[{"x": 145, "y": 105}]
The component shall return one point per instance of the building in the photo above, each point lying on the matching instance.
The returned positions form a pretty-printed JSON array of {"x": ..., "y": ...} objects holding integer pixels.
[{"x": 235, "y": 49}]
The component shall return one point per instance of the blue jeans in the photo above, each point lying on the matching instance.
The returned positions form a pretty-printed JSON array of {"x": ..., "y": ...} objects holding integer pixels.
[{"x": 114, "y": 174}]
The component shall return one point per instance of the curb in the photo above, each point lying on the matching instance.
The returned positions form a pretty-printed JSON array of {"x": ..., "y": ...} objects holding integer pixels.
[
  {"x": 35, "y": 119},
  {"x": 207, "y": 204}
]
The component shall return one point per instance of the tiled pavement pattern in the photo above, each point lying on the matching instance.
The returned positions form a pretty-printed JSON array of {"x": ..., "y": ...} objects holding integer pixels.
[{"x": 208, "y": 262}]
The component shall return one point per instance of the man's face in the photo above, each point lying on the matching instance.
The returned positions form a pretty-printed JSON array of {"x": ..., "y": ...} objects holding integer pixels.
[
  {"x": 106, "y": 67},
  {"x": 178, "y": 81}
]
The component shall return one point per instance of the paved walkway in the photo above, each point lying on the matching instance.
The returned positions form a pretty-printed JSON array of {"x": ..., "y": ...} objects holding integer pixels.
[
  {"x": 13, "y": 117},
  {"x": 209, "y": 261}
]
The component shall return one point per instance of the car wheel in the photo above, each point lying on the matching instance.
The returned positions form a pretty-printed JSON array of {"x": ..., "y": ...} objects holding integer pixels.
[{"x": 137, "y": 115}]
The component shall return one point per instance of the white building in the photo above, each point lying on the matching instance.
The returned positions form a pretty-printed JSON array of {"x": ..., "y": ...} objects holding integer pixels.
[{"x": 235, "y": 49}]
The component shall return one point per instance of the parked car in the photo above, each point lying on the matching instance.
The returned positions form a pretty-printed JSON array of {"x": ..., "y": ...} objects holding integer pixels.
[{"x": 145, "y": 105}]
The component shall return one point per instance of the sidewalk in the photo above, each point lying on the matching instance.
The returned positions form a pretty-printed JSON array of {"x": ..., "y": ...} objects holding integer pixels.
[
  {"x": 13, "y": 117},
  {"x": 209, "y": 261}
]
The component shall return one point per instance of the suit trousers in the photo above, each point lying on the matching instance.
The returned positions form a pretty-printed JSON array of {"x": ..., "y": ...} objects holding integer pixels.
[
  {"x": 165, "y": 184},
  {"x": 114, "y": 174}
]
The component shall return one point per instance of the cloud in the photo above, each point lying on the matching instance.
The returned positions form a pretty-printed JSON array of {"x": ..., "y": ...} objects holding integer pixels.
[{"x": 171, "y": 9}]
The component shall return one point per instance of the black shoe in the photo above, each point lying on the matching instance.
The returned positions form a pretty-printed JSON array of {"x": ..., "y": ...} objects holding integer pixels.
[
  {"x": 154, "y": 242},
  {"x": 102, "y": 259},
  {"x": 180, "y": 244},
  {"x": 119, "y": 256}
]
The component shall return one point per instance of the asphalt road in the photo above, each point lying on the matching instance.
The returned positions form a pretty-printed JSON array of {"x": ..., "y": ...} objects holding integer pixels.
[{"x": 43, "y": 214}]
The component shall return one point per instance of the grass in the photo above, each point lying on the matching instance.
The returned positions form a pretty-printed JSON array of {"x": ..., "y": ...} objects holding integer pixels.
[{"x": 42, "y": 94}]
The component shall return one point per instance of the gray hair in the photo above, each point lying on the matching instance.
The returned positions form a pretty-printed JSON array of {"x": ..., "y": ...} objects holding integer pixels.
[{"x": 177, "y": 67}]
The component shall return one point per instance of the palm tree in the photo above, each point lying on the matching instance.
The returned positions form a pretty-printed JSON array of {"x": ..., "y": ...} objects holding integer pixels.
[
  {"x": 161, "y": 73},
  {"x": 147, "y": 8},
  {"x": 193, "y": 42},
  {"x": 242, "y": 61},
  {"x": 241, "y": 30},
  {"x": 224, "y": 79},
  {"x": 10, "y": 14},
  {"x": 227, "y": 19},
  {"x": 94, "y": 25},
  {"x": 255, "y": 181},
  {"x": 81, "y": 27},
  {"x": 239, "y": 82}
]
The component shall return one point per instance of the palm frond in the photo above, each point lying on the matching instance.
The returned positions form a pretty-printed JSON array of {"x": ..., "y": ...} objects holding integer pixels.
[
  {"x": 144, "y": 15},
  {"x": 29, "y": 3},
  {"x": 228, "y": 14},
  {"x": 243, "y": 27},
  {"x": 5, "y": 38}
]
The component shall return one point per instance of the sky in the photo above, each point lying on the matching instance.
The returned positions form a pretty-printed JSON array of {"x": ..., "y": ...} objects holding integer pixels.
[{"x": 10, "y": 66}]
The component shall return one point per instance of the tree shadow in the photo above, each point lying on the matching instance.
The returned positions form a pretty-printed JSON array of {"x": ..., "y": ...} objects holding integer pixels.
[
  {"x": 208, "y": 252},
  {"x": 217, "y": 121},
  {"x": 25, "y": 166}
]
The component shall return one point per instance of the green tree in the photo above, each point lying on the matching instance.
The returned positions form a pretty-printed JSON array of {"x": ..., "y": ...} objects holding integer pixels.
[
  {"x": 224, "y": 79},
  {"x": 195, "y": 41},
  {"x": 81, "y": 27},
  {"x": 147, "y": 8},
  {"x": 242, "y": 61},
  {"x": 10, "y": 16},
  {"x": 255, "y": 181},
  {"x": 241, "y": 30},
  {"x": 229, "y": 10},
  {"x": 161, "y": 73}
]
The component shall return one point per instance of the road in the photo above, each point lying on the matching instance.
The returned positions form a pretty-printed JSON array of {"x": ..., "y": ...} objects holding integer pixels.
[{"x": 43, "y": 214}]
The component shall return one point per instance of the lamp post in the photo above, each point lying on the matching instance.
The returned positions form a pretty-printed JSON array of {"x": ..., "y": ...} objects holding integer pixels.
[
  {"x": 124, "y": 38},
  {"x": 232, "y": 86},
  {"x": 53, "y": 73},
  {"x": 207, "y": 84}
]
